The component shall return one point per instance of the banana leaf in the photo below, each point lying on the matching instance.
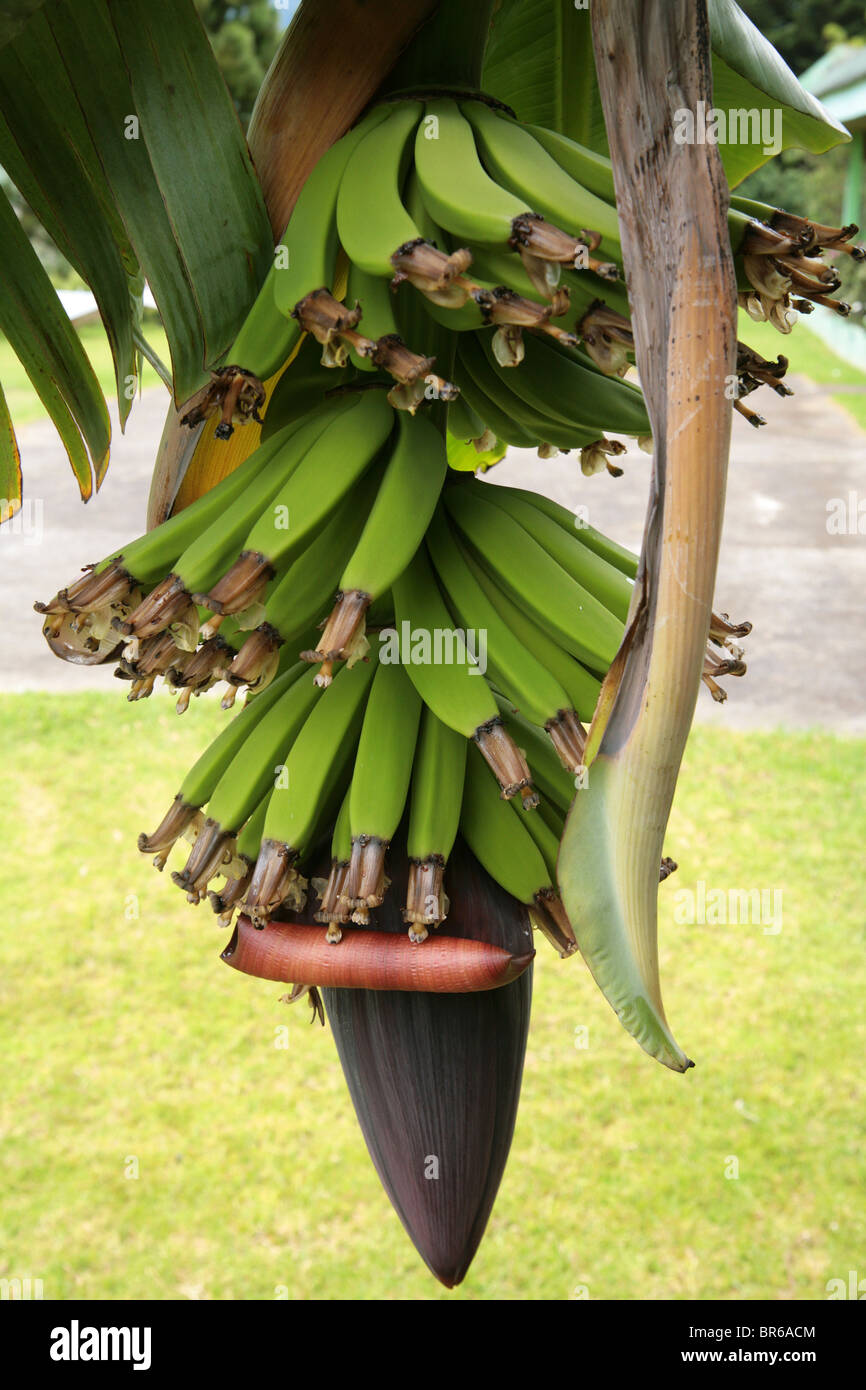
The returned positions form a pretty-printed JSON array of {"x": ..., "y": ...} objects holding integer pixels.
[
  {"x": 10, "y": 465},
  {"x": 14, "y": 14},
  {"x": 118, "y": 130},
  {"x": 539, "y": 61},
  {"x": 39, "y": 332}
]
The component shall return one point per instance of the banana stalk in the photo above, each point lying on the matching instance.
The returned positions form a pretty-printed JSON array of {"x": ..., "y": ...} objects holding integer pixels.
[{"x": 653, "y": 58}]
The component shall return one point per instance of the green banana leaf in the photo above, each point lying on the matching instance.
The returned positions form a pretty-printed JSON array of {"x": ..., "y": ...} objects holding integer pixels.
[
  {"x": 539, "y": 61},
  {"x": 10, "y": 465},
  {"x": 118, "y": 131},
  {"x": 14, "y": 14},
  {"x": 39, "y": 332}
]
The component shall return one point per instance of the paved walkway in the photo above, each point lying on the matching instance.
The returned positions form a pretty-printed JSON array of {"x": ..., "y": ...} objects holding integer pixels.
[{"x": 802, "y": 587}]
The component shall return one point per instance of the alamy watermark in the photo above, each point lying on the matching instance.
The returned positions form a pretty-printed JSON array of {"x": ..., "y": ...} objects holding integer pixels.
[
  {"x": 720, "y": 907},
  {"x": 438, "y": 646},
  {"x": 738, "y": 126}
]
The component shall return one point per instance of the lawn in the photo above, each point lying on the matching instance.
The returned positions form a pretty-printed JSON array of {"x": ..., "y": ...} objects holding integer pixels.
[
  {"x": 809, "y": 356},
  {"x": 157, "y": 1143}
]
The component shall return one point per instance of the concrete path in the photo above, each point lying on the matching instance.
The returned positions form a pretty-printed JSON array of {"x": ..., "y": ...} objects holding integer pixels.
[{"x": 801, "y": 586}]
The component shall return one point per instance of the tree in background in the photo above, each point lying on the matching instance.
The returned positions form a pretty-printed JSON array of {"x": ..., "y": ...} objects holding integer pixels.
[
  {"x": 804, "y": 31},
  {"x": 244, "y": 39}
]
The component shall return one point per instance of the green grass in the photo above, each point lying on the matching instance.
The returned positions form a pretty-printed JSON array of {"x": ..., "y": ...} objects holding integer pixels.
[
  {"x": 809, "y": 356},
  {"x": 23, "y": 402},
  {"x": 126, "y": 1038}
]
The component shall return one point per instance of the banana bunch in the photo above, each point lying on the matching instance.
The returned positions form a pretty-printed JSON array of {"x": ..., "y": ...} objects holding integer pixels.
[{"x": 421, "y": 651}]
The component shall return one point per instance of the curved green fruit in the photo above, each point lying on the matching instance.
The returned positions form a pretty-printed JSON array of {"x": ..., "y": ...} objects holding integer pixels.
[
  {"x": 386, "y": 748},
  {"x": 457, "y": 191},
  {"x": 257, "y": 764},
  {"x": 520, "y": 164},
  {"x": 198, "y": 785},
  {"x": 304, "y": 594},
  {"x": 472, "y": 356},
  {"x": 318, "y": 757},
  {"x": 582, "y": 687},
  {"x": 498, "y": 837},
  {"x": 339, "y": 456},
  {"x": 615, "y": 554},
  {"x": 437, "y": 789},
  {"x": 607, "y": 583},
  {"x": 512, "y": 668},
  {"x": 371, "y": 218},
  {"x": 405, "y": 502},
  {"x": 455, "y": 689},
  {"x": 575, "y": 618},
  {"x": 202, "y": 563}
]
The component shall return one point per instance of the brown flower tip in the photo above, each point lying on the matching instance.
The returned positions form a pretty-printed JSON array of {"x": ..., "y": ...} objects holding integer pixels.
[
  {"x": 272, "y": 882},
  {"x": 426, "y": 903},
  {"x": 568, "y": 737},
  {"x": 240, "y": 586},
  {"x": 203, "y": 667},
  {"x": 212, "y": 849},
  {"x": 102, "y": 589},
  {"x": 433, "y": 272},
  {"x": 399, "y": 361},
  {"x": 313, "y": 998},
  {"x": 666, "y": 868},
  {"x": 164, "y": 605},
  {"x": 549, "y": 915},
  {"x": 607, "y": 337},
  {"x": 329, "y": 321},
  {"x": 364, "y": 885},
  {"x": 173, "y": 824},
  {"x": 226, "y": 900},
  {"x": 233, "y": 393},
  {"x": 256, "y": 662},
  {"x": 721, "y": 628},
  {"x": 596, "y": 456},
  {"x": 506, "y": 761},
  {"x": 334, "y": 908},
  {"x": 343, "y": 634},
  {"x": 153, "y": 657}
]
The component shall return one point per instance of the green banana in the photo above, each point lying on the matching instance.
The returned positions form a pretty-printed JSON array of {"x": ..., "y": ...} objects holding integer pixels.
[
  {"x": 607, "y": 583},
  {"x": 458, "y": 193},
  {"x": 555, "y": 784},
  {"x": 342, "y": 451},
  {"x": 371, "y": 218},
  {"x": 573, "y": 616},
  {"x": 521, "y": 165},
  {"x": 501, "y": 842},
  {"x": 448, "y": 678},
  {"x": 376, "y": 298},
  {"x": 617, "y": 555},
  {"x": 594, "y": 171},
  {"x": 497, "y": 267},
  {"x": 253, "y": 769},
  {"x": 434, "y": 817},
  {"x": 464, "y": 423},
  {"x": 318, "y": 759},
  {"x": 500, "y": 421},
  {"x": 301, "y": 597},
  {"x": 199, "y": 783},
  {"x": 475, "y": 356},
  {"x": 553, "y": 381},
  {"x": 304, "y": 260},
  {"x": 380, "y": 783},
  {"x": 311, "y": 237},
  {"x": 512, "y": 667},
  {"x": 581, "y": 687},
  {"x": 393, "y": 531},
  {"x": 304, "y": 387}
]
